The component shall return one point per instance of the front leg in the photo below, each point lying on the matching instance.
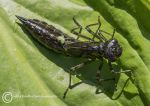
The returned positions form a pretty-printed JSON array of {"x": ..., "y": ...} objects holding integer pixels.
[
  {"x": 73, "y": 69},
  {"x": 116, "y": 72}
]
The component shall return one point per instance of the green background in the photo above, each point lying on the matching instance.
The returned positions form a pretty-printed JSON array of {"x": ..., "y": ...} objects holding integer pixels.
[{"x": 28, "y": 68}]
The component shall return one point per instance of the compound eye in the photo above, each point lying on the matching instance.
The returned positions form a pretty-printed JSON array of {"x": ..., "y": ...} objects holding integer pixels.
[
  {"x": 119, "y": 51},
  {"x": 113, "y": 49}
]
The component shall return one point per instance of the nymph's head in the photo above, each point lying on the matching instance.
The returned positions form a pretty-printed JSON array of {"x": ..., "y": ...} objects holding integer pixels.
[{"x": 112, "y": 50}]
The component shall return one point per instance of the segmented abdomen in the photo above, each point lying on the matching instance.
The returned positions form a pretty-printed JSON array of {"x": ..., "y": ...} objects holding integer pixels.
[{"x": 46, "y": 34}]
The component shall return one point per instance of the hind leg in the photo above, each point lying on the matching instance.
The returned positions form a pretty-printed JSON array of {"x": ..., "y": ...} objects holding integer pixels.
[
  {"x": 73, "y": 69},
  {"x": 78, "y": 33}
]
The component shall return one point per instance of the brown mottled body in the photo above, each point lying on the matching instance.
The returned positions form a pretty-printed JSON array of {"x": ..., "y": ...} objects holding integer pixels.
[{"x": 58, "y": 41}]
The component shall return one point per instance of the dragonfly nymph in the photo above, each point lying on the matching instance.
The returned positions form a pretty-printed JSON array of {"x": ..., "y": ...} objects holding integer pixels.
[{"x": 60, "y": 42}]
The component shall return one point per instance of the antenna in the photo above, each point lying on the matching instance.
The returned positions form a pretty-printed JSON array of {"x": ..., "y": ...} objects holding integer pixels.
[{"x": 113, "y": 33}]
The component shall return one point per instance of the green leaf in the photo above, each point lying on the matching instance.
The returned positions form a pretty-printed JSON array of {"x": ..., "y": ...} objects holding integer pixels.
[{"x": 37, "y": 76}]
